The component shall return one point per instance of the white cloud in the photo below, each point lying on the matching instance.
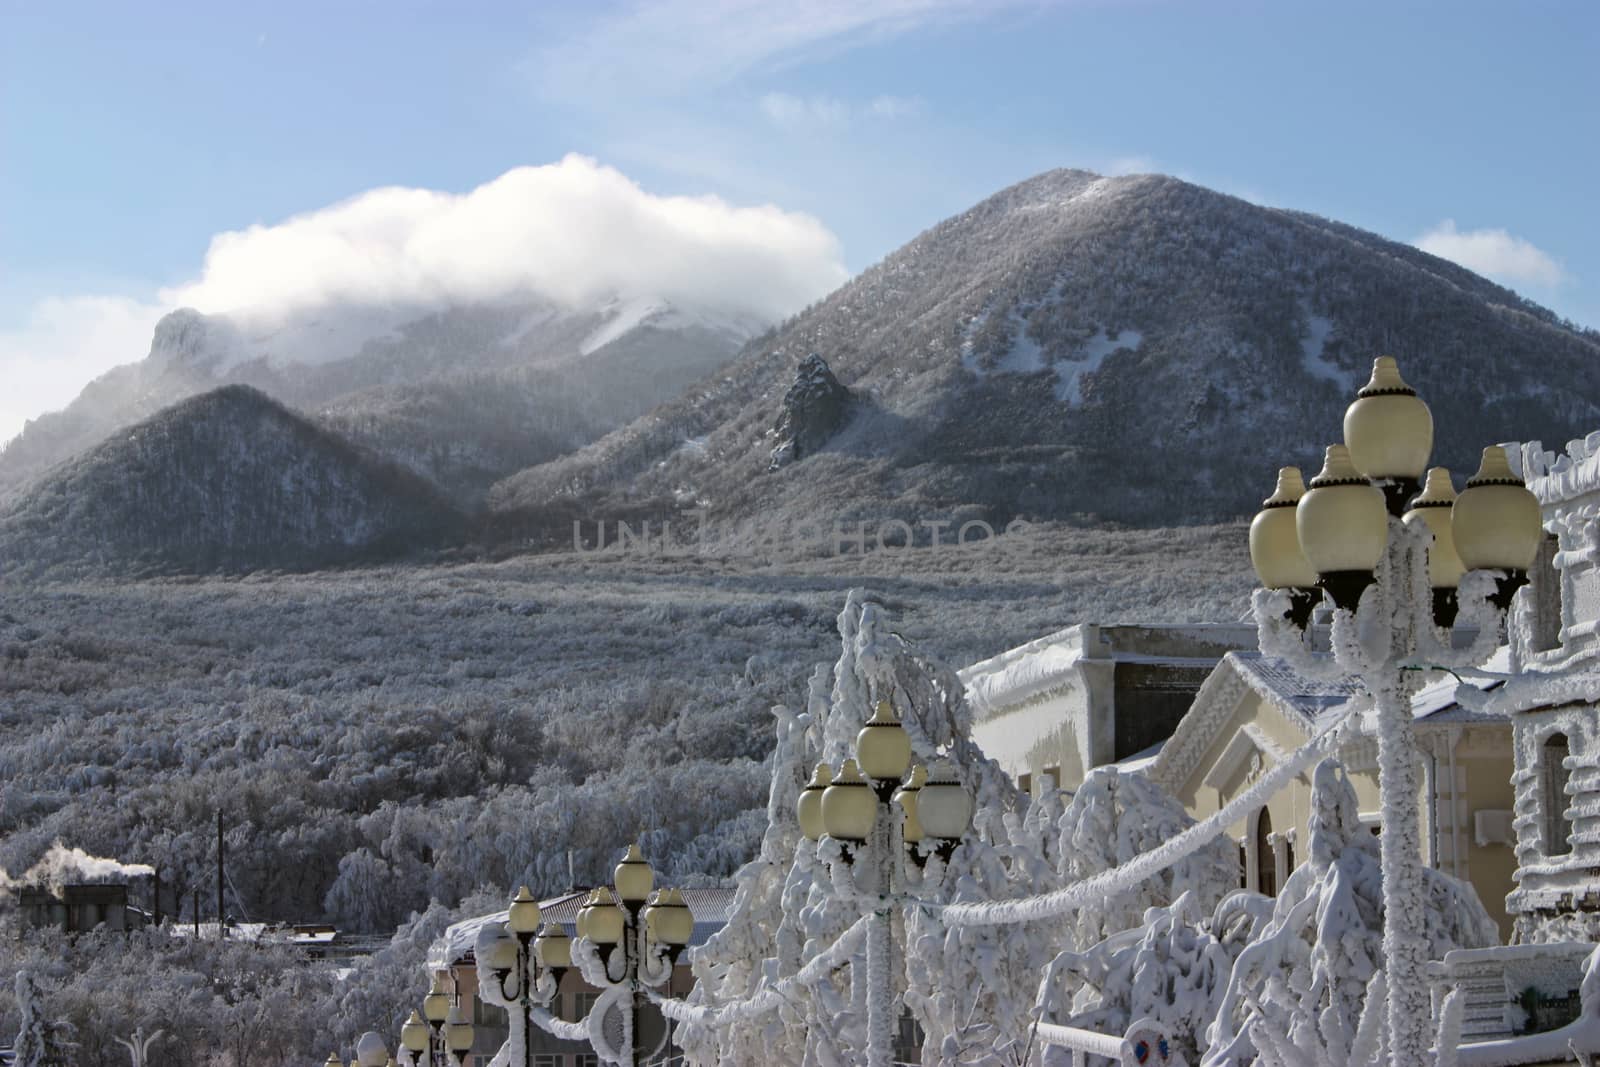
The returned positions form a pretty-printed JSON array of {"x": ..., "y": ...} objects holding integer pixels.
[
  {"x": 784, "y": 109},
  {"x": 894, "y": 107},
  {"x": 64, "y": 344},
  {"x": 1495, "y": 253},
  {"x": 675, "y": 45},
  {"x": 1131, "y": 165},
  {"x": 573, "y": 231}
]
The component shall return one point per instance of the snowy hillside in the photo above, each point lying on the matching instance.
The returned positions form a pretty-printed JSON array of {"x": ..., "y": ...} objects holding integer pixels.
[
  {"x": 552, "y": 370},
  {"x": 1133, "y": 348},
  {"x": 227, "y": 480}
]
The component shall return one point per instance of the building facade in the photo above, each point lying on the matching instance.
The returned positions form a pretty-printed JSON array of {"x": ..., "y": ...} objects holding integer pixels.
[{"x": 1090, "y": 695}]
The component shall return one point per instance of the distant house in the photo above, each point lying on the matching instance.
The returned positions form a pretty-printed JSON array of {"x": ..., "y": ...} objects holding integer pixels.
[
  {"x": 1090, "y": 695},
  {"x": 1254, "y": 710},
  {"x": 455, "y": 952},
  {"x": 79, "y": 907}
]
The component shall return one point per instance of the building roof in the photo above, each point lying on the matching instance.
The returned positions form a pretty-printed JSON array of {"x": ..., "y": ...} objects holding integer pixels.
[
  {"x": 1020, "y": 674},
  {"x": 1275, "y": 680},
  {"x": 709, "y": 906},
  {"x": 1309, "y": 704}
]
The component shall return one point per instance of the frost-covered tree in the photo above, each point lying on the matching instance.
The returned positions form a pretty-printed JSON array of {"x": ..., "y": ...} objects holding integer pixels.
[
  {"x": 1307, "y": 990},
  {"x": 41, "y": 1040},
  {"x": 970, "y": 988},
  {"x": 1114, "y": 817}
]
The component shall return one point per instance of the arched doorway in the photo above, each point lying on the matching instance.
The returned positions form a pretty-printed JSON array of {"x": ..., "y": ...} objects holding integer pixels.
[{"x": 1266, "y": 862}]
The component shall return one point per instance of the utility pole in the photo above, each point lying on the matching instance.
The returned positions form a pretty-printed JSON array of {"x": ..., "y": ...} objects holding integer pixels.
[{"x": 222, "y": 930}]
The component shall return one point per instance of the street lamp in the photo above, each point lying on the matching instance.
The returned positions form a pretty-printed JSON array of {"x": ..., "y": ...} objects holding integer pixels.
[
  {"x": 414, "y": 1038},
  {"x": 504, "y": 948},
  {"x": 630, "y": 939},
  {"x": 371, "y": 1051},
  {"x": 1399, "y": 566},
  {"x": 436, "y": 1010},
  {"x": 857, "y": 810},
  {"x": 458, "y": 1035}
]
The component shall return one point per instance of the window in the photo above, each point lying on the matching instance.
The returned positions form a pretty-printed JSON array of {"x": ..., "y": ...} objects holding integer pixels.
[
  {"x": 582, "y": 1003},
  {"x": 547, "y": 1059},
  {"x": 1025, "y": 783},
  {"x": 1055, "y": 776},
  {"x": 488, "y": 1015},
  {"x": 585, "y": 1059},
  {"x": 1266, "y": 862},
  {"x": 908, "y": 1039},
  {"x": 1553, "y": 780},
  {"x": 1546, "y": 593}
]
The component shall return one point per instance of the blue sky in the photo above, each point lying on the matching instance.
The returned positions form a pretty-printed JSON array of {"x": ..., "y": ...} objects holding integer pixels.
[{"x": 132, "y": 135}]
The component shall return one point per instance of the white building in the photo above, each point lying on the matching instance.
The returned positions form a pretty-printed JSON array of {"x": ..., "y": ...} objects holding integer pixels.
[{"x": 1090, "y": 695}]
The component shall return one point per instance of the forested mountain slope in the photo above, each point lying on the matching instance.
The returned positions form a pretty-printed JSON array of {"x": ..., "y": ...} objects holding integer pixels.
[
  {"x": 227, "y": 480},
  {"x": 411, "y": 383},
  {"x": 1136, "y": 349}
]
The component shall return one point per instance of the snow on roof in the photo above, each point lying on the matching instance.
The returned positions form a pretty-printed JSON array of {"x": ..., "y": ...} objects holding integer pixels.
[
  {"x": 1307, "y": 703},
  {"x": 1140, "y": 761},
  {"x": 1275, "y": 680},
  {"x": 709, "y": 906},
  {"x": 1019, "y": 674},
  {"x": 1553, "y": 478}
]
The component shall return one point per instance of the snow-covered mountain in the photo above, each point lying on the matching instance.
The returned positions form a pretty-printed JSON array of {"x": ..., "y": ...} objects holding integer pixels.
[
  {"x": 228, "y": 480},
  {"x": 1078, "y": 347},
  {"x": 411, "y": 382}
]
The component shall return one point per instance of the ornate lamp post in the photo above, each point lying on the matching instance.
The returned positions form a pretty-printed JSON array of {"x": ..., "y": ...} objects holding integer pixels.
[
  {"x": 1399, "y": 567},
  {"x": 632, "y": 939},
  {"x": 509, "y": 947},
  {"x": 858, "y": 811}
]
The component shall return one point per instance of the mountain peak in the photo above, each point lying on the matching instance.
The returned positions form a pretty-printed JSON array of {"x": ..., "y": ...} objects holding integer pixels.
[
  {"x": 229, "y": 479},
  {"x": 1132, "y": 348}
]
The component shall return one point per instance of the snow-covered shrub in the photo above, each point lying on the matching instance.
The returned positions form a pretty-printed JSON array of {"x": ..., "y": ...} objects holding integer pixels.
[
  {"x": 1305, "y": 990},
  {"x": 1114, "y": 817}
]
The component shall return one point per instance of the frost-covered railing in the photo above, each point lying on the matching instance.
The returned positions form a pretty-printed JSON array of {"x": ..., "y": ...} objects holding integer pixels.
[
  {"x": 1146, "y": 1044},
  {"x": 1128, "y": 875},
  {"x": 774, "y": 996}
]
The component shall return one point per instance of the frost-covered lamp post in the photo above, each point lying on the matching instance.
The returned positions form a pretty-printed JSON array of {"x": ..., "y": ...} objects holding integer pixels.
[
  {"x": 436, "y": 1010},
  {"x": 371, "y": 1051},
  {"x": 416, "y": 1039},
  {"x": 628, "y": 941},
  {"x": 458, "y": 1035},
  {"x": 509, "y": 947},
  {"x": 1400, "y": 568},
  {"x": 856, "y": 809}
]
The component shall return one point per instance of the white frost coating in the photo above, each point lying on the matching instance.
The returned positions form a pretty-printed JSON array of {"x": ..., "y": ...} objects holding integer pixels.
[
  {"x": 774, "y": 996},
  {"x": 1303, "y": 989},
  {"x": 1581, "y": 1036},
  {"x": 970, "y": 989},
  {"x": 1128, "y": 875}
]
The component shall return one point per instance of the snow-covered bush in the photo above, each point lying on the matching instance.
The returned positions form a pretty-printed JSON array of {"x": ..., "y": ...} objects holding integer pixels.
[
  {"x": 1306, "y": 990},
  {"x": 1114, "y": 817}
]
